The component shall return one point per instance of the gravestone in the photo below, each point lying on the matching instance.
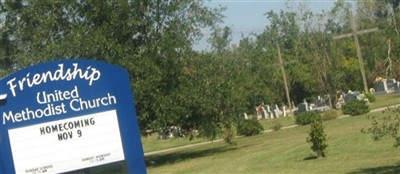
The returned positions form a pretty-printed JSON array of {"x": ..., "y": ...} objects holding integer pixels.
[
  {"x": 349, "y": 97},
  {"x": 269, "y": 111},
  {"x": 321, "y": 102},
  {"x": 277, "y": 111},
  {"x": 390, "y": 83},
  {"x": 306, "y": 105},
  {"x": 265, "y": 114},
  {"x": 69, "y": 116},
  {"x": 303, "y": 107},
  {"x": 386, "y": 86},
  {"x": 397, "y": 87},
  {"x": 274, "y": 114},
  {"x": 165, "y": 133},
  {"x": 380, "y": 87},
  {"x": 284, "y": 111},
  {"x": 311, "y": 106}
]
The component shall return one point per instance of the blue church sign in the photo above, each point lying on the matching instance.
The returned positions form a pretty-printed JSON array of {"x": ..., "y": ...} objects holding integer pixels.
[{"x": 69, "y": 116}]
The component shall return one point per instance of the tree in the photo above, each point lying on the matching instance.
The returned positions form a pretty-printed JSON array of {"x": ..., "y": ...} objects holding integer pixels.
[
  {"x": 220, "y": 39},
  {"x": 317, "y": 138},
  {"x": 318, "y": 70},
  {"x": 386, "y": 126},
  {"x": 282, "y": 32},
  {"x": 8, "y": 44},
  {"x": 152, "y": 39},
  {"x": 257, "y": 80}
]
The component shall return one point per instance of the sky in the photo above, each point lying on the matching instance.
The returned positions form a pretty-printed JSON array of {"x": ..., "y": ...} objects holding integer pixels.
[{"x": 247, "y": 16}]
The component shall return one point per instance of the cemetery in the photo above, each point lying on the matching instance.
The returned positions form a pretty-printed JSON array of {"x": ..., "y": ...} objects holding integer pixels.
[
  {"x": 284, "y": 151},
  {"x": 341, "y": 133},
  {"x": 386, "y": 86}
]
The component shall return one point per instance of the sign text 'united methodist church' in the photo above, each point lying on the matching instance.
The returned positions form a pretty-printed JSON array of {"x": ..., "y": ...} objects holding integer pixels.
[{"x": 69, "y": 116}]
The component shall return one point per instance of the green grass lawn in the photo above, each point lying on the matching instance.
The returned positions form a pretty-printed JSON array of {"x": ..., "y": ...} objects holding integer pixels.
[
  {"x": 286, "y": 151},
  {"x": 385, "y": 100},
  {"x": 284, "y": 121},
  {"x": 151, "y": 143}
]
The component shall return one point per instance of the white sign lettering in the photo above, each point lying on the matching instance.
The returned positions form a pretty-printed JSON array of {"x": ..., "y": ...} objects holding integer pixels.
[{"x": 89, "y": 74}]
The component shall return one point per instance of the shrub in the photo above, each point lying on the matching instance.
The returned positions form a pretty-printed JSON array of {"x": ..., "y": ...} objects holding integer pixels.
[
  {"x": 277, "y": 126},
  {"x": 355, "y": 107},
  {"x": 386, "y": 126},
  {"x": 307, "y": 117},
  {"x": 317, "y": 138},
  {"x": 229, "y": 135},
  {"x": 330, "y": 115},
  {"x": 370, "y": 97},
  {"x": 249, "y": 127}
]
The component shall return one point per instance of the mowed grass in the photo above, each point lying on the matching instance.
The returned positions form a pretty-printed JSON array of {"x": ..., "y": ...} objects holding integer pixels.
[
  {"x": 152, "y": 143},
  {"x": 286, "y": 151},
  {"x": 385, "y": 100},
  {"x": 283, "y": 121}
]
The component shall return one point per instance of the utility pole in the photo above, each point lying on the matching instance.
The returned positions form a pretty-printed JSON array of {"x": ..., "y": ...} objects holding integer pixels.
[
  {"x": 284, "y": 78},
  {"x": 355, "y": 34}
]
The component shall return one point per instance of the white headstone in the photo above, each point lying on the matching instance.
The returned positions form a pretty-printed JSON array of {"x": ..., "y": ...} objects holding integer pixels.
[
  {"x": 265, "y": 114},
  {"x": 277, "y": 112},
  {"x": 306, "y": 105},
  {"x": 384, "y": 81},
  {"x": 293, "y": 106},
  {"x": 245, "y": 116},
  {"x": 284, "y": 111},
  {"x": 268, "y": 109}
]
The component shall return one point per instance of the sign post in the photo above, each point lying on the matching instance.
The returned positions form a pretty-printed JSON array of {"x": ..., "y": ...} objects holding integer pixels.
[{"x": 69, "y": 116}]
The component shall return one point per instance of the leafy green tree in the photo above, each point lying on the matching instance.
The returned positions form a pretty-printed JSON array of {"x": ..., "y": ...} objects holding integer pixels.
[
  {"x": 317, "y": 138},
  {"x": 257, "y": 77},
  {"x": 281, "y": 32},
  {"x": 152, "y": 39},
  {"x": 220, "y": 39},
  {"x": 8, "y": 44},
  {"x": 386, "y": 126}
]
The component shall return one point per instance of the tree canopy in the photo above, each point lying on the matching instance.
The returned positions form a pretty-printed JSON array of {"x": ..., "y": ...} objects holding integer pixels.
[{"x": 204, "y": 92}]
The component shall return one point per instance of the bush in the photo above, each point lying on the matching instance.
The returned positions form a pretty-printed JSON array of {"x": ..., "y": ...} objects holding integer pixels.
[
  {"x": 370, "y": 97},
  {"x": 317, "y": 138},
  {"x": 307, "y": 117},
  {"x": 249, "y": 127},
  {"x": 355, "y": 107},
  {"x": 277, "y": 126},
  {"x": 229, "y": 135},
  {"x": 386, "y": 126},
  {"x": 330, "y": 115}
]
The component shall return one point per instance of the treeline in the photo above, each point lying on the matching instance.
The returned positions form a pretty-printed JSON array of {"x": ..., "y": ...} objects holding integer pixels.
[{"x": 204, "y": 92}]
